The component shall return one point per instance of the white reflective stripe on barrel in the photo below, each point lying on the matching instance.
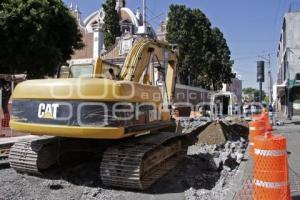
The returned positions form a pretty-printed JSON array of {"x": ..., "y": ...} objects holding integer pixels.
[
  {"x": 262, "y": 152},
  {"x": 269, "y": 184},
  {"x": 251, "y": 143},
  {"x": 252, "y": 128}
]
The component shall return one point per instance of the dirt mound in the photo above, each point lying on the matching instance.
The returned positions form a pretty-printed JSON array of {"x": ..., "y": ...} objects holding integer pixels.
[
  {"x": 241, "y": 128},
  {"x": 218, "y": 132}
]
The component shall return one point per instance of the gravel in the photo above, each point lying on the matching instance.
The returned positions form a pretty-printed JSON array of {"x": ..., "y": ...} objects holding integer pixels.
[
  {"x": 224, "y": 159},
  {"x": 194, "y": 123},
  {"x": 218, "y": 192}
]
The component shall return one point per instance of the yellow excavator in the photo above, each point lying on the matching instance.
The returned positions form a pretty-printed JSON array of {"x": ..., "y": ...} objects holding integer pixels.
[{"x": 124, "y": 117}]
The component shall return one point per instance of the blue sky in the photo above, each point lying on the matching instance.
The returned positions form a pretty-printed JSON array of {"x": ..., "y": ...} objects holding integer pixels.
[{"x": 251, "y": 27}]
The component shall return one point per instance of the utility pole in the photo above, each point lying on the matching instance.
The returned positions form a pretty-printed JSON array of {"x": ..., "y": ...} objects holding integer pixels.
[
  {"x": 260, "y": 77},
  {"x": 271, "y": 87},
  {"x": 270, "y": 82},
  {"x": 144, "y": 17}
]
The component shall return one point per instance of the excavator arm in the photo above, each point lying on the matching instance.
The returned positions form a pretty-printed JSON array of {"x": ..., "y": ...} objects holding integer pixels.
[{"x": 144, "y": 57}]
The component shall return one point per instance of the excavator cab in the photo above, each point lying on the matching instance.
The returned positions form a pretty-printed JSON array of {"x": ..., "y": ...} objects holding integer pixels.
[{"x": 93, "y": 68}]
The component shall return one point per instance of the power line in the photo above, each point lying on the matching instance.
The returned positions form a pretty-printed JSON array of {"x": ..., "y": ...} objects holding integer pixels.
[
  {"x": 252, "y": 57},
  {"x": 150, "y": 10},
  {"x": 154, "y": 15},
  {"x": 239, "y": 70},
  {"x": 157, "y": 16}
]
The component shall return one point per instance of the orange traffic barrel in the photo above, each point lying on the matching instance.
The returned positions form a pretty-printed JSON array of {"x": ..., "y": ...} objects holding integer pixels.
[
  {"x": 270, "y": 174},
  {"x": 255, "y": 128}
]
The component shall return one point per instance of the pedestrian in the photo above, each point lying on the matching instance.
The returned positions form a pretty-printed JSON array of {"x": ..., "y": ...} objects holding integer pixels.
[
  {"x": 253, "y": 109},
  {"x": 6, "y": 92},
  {"x": 236, "y": 109},
  {"x": 271, "y": 113}
]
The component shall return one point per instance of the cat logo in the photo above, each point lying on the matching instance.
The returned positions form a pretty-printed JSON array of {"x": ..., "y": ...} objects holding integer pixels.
[{"x": 47, "y": 111}]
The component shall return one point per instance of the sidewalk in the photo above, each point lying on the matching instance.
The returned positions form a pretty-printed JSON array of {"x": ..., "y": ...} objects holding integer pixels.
[{"x": 291, "y": 130}]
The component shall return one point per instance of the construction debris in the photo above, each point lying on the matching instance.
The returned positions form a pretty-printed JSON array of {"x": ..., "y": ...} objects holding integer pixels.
[
  {"x": 191, "y": 124},
  {"x": 206, "y": 172},
  {"x": 217, "y": 192},
  {"x": 223, "y": 159},
  {"x": 220, "y": 156},
  {"x": 220, "y": 149},
  {"x": 241, "y": 128},
  {"x": 218, "y": 133}
]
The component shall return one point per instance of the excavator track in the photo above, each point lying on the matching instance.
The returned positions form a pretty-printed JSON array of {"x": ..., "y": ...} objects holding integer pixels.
[
  {"x": 4, "y": 152},
  {"x": 139, "y": 163},
  {"x": 135, "y": 163},
  {"x": 31, "y": 156}
]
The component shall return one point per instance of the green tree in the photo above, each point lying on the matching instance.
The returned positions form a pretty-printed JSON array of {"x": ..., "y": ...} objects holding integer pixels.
[
  {"x": 221, "y": 68},
  {"x": 267, "y": 99},
  {"x": 203, "y": 51},
  {"x": 111, "y": 25},
  {"x": 36, "y": 36},
  {"x": 253, "y": 94},
  {"x": 256, "y": 95},
  {"x": 189, "y": 34},
  {"x": 249, "y": 90}
]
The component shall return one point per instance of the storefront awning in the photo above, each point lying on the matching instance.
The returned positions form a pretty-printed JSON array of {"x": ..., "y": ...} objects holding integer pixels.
[{"x": 281, "y": 89}]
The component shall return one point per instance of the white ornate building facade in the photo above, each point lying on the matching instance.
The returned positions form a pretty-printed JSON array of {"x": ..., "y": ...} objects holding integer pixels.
[{"x": 91, "y": 28}]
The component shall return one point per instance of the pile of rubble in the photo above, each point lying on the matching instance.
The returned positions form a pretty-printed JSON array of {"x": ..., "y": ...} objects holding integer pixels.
[
  {"x": 220, "y": 156},
  {"x": 190, "y": 124},
  {"x": 220, "y": 149},
  {"x": 219, "y": 132},
  {"x": 222, "y": 187},
  {"x": 224, "y": 160}
]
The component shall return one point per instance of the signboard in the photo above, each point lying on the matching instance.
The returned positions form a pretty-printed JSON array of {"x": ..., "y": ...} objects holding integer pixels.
[
  {"x": 126, "y": 44},
  {"x": 260, "y": 71}
]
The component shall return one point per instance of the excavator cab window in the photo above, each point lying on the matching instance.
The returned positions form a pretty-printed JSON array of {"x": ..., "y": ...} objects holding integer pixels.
[
  {"x": 79, "y": 71},
  {"x": 64, "y": 72}
]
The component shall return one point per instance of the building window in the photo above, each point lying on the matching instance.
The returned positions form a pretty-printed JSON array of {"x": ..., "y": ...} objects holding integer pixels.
[
  {"x": 285, "y": 67},
  {"x": 284, "y": 34}
]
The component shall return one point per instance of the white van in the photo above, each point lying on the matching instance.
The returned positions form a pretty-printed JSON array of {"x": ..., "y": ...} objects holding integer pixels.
[{"x": 224, "y": 104}]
